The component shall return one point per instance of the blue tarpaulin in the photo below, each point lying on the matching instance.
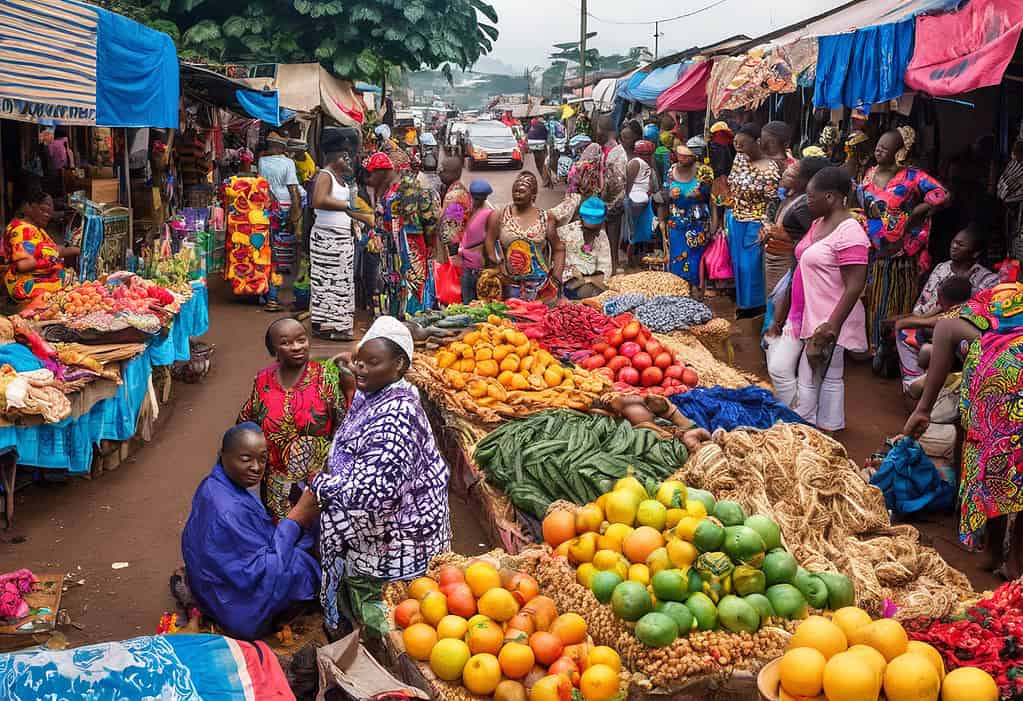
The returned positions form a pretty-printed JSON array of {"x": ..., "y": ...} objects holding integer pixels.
[
  {"x": 646, "y": 87},
  {"x": 720, "y": 407},
  {"x": 264, "y": 106},
  {"x": 864, "y": 67}
]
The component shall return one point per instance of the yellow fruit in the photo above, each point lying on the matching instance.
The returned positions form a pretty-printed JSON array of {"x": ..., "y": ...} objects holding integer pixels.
[
  {"x": 687, "y": 527},
  {"x": 606, "y": 542},
  {"x": 674, "y": 516},
  {"x": 634, "y": 485},
  {"x": 885, "y": 635},
  {"x": 419, "y": 639},
  {"x": 848, "y": 677},
  {"x": 498, "y": 604},
  {"x": 849, "y": 619},
  {"x": 481, "y": 577},
  {"x": 618, "y": 531},
  {"x": 602, "y": 654},
  {"x": 641, "y": 542},
  {"x": 652, "y": 513},
  {"x": 931, "y": 653},
  {"x": 681, "y": 553},
  {"x": 434, "y": 607},
  {"x": 820, "y": 634},
  {"x": 802, "y": 671},
  {"x": 452, "y": 627},
  {"x": 582, "y": 548},
  {"x": 672, "y": 493},
  {"x": 606, "y": 559},
  {"x": 621, "y": 506},
  {"x": 622, "y": 568},
  {"x": 872, "y": 657},
  {"x": 658, "y": 560},
  {"x": 599, "y": 683},
  {"x": 639, "y": 573},
  {"x": 588, "y": 519},
  {"x": 448, "y": 658},
  {"x": 696, "y": 508},
  {"x": 911, "y": 677},
  {"x": 969, "y": 684},
  {"x": 482, "y": 674},
  {"x": 421, "y": 586},
  {"x": 585, "y": 571},
  {"x": 477, "y": 619}
]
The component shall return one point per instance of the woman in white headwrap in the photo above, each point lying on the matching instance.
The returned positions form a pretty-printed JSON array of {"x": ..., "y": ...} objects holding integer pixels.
[{"x": 384, "y": 493}]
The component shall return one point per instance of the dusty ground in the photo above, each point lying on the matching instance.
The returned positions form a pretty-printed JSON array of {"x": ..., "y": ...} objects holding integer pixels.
[{"x": 135, "y": 514}]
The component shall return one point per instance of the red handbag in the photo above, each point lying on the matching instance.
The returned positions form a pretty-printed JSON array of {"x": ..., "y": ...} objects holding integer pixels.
[{"x": 448, "y": 282}]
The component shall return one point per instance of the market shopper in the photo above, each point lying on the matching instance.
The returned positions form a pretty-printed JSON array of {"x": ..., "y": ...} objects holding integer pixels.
[
  {"x": 640, "y": 185},
  {"x": 537, "y": 137},
  {"x": 613, "y": 188},
  {"x": 523, "y": 241},
  {"x": 587, "y": 251},
  {"x": 898, "y": 200},
  {"x": 471, "y": 247},
  {"x": 456, "y": 205},
  {"x": 35, "y": 263},
  {"x": 384, "y": 496},
  {"x": 753, "y": 183},
  {"x": 280, "y": 171},
  {"x": 987, "y": 338},
  {"x": 298, "y": 403},
  {"x": 243, "y": 570},
  {"x": 686, "y": 217}
]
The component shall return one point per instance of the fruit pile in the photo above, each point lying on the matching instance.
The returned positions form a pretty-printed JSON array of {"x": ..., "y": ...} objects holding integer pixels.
[
  {"x": 632, "y": 358},
  {"x": 852, "y": 658},
  {"x": 674, "y": 560},
  {"x": 128, "y": 295},
  {"x": 491, "y": 631}
]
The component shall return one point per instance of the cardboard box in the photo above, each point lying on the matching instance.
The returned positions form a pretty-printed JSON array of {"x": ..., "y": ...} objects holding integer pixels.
[{"x": 103, "y": 190}]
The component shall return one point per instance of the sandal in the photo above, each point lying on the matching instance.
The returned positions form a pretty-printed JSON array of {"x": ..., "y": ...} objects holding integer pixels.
[{"x": 273, "y": 306}]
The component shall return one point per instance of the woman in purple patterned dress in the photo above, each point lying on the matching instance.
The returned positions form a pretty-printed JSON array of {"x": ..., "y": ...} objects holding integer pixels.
[{"x": 384, "y": 494}]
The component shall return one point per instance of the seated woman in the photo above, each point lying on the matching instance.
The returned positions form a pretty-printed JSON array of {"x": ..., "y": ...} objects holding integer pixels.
[
  {"x": 587, "y": 251},
  {"x": 384, "y": 494},
  {"x": 913, "y": 333},
  {"x": 988, "y": 339},
  {"x": 242, "y": 570},
  {"x": 35, "y": 263}
]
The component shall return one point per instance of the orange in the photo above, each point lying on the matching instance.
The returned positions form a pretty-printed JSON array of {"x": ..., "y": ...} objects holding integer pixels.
[
  {"x": 602, "y": 654},
  {"x": 419, "y": 639},
  {"x": 582, "y": 548},
  {"x": 543, "y": 611},
  {"x": 567, "y": 667},
  {"x": 521, "y": 585},
  {"x": 434, "y": 607},
  {"x": 482, "y": 577},
  {"x": 850, "y": 619},
  {"x": 461, "y": 602},
  {"x": 484, "y": 636},
  {"x": 570, "y": 628},
  {"x": 558, "y": 527},
  {"x": 820, "y": 634},
  {"x": 885, "y": 635},
  {"x": 588, "y": 519},
  {"x": 514, "y": 635},
  {"x": 452, "y": 627},
  {"x": 547, "y": 647},
  {"x": 802, "y": 671},
  {"x": 641, "y": 542},
  {"x": 481, "y": 674},
  {"x": 928, "y": 651},
  {"x": 969, "y": 684},
  {"x": 420, "y": 586},
  {"x": 498, "y": 604},
  {"x": 849, "y": 677},
  {"x": 406, "y": 613},
  {"x": 516, "y": 660},
  {"x": 448, "y": 658},
  {"x": 449, "y": 574},
  {"x": 521, "y": 621},
  {"x": 911, "y": 677},
  {"x": 553, "y": 687},
  {"x": 599, "y": 683},
  {"x": 872, "y": 657},
  {"x": 681, "y": 554}
]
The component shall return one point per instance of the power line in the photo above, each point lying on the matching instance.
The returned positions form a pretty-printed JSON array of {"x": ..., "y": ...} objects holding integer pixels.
[{"x": 657, "y": 21}]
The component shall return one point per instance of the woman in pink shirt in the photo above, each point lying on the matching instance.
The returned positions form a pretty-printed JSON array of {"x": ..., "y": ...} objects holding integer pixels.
[
  {"x": 470, "y": 247},
  {"x": 826, "y": 316}
]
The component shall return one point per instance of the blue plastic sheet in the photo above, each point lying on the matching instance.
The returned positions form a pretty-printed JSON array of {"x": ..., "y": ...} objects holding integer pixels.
[
  {"x": 719, "y": 407},
  {"x": 137, "y": 83},
  {"x": 192, "y": 320},
  {"x": 910, "y": 482},
  {"x": 19, "y": 357},
  {"x": 864, "y": 67},
  {"x": 263, "y": 106},
  {"x": 647, "y": 87}
]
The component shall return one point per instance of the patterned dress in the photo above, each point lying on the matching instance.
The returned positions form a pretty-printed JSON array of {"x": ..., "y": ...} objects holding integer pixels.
[
  {"x": 249, "y": 205},
  {"x": 298, "y": 423},
  {"x": 991, "y": 411},
  {"x": 383, "y": 498},
  {"x": 23, "y": 240},
  {"x": 752, "y": 190},
  {"x": 527, "y": 257},
  {"x": 454, "y": 216},
  {"x": 688, "y": 218}
]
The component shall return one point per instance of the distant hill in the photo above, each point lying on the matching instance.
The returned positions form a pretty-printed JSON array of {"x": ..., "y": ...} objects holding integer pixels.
[
  {"x": 470, "y": 90},
  {"x": 489, "y": 64}
]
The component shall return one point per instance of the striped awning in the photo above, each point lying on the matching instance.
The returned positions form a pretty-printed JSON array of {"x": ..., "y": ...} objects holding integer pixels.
[{"x": 66, "y": 62}]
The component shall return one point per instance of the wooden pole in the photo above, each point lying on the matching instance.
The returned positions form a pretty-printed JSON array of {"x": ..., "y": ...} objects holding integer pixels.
[{"x": 582, "y": 49}]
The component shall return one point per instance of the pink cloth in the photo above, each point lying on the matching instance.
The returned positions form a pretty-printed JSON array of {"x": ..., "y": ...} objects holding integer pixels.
[
  {"x": 819, "y": 270},
  {"x": 475, "y": 234}
]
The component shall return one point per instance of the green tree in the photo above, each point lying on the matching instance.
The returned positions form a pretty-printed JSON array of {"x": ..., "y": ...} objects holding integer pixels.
[{"x": 353, "y": 38}]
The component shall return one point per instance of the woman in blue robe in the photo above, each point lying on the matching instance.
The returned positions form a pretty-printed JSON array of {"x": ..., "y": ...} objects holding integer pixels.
[{"x": 242, "y": 569}]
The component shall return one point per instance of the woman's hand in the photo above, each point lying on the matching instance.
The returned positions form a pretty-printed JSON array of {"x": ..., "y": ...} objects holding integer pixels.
[
  {"x": 825, "y": 333},
  {"x": 306, "y": 511},
  {"x": 917, "y": 424},
  {"x": 343, "y": 359},
  {"x": 774, "y": 330}
]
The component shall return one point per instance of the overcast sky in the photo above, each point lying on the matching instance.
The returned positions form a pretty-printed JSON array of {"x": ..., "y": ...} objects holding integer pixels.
[{"x": 529, "y": 27}]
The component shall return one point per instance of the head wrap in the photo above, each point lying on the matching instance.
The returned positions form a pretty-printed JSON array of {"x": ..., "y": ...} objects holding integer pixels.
[
  {"x": 379, "y": 161},
  {"x": 579, "y": 140},
  {"x": 719, "y": 126},
  {"x": 400, "y": 159},
  {"x": 390, "y": 328},
  {"x": 593, "y": 211},
  {"x": 698, "y": 145},
  {"x": 813, "y": 152},
  {"x": 383, "y": 132},
  {"x": 644, "y": 147},
  {"x": 856, "y": 138},
  {"x": 651, "y": 132},
  {"x": 908, "y": 139},
  {"x": 480, "y": 188},
  {"x": 829, "y": 137}
]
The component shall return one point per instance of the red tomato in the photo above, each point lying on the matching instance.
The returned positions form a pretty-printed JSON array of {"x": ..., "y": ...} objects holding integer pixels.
[
  {"x": 630, "y": 349},
  {"x": 674, "y": 371},
  {"x": 610, "y": 353},
  {"x": 654, "y": 348},
  {"x": 666, "y": 382},
  {"x": 652, "y": 376},
  {"x": 622, "y": 387},
  {"x": 615, "y": 338},
  {"x": 631, "y": 330},
  {"x": 600, "y": 347},
  {"x": 618, "y": 362},
  {"x": 641, "y": 361},
  {"x": 643, "y": 338},
  {"x": 690, "y": 377},
  {"x": 629, "y": 375},
  {"x": 593, "y": 362},
  {"x": 661, "y": 360}
]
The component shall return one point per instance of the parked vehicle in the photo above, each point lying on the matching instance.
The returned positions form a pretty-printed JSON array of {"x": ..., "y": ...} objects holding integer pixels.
[
  {"x": 454, "y": 142},
  {"x": 492, "y": 143}
]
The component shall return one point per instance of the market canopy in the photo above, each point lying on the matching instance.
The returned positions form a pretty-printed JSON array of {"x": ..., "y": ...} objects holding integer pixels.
[
  {"x": 646, "y": 87},
  {"x": 234, "y": 95},
  {"x": 305, "y": 87},
  {"x": 689, "y": 94},
  {"x": 66, "y": 62}
]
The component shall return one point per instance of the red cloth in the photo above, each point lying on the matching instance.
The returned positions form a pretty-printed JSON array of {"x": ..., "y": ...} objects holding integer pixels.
[
  {"x": 379, "y": 161},
  {"x": 964, "y": 50},
  {"x": 689, "y": 94}
]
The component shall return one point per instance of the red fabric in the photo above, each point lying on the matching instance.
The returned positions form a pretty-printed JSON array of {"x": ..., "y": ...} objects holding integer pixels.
[
  {"x": 265, "y": 673},
  {"x": 689, "y": 94},
  {"x": 964, "y": 50},
  {"x": 379, "y": 161}
]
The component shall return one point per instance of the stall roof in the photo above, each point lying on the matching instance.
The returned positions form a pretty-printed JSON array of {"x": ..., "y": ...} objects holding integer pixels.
[
  {"x": 304, "y": 87},
  {"x": 231, "y": 94},
  {"x": 723, "y": 46}
]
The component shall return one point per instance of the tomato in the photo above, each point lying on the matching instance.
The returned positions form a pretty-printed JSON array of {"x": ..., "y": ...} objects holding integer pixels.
[
  {"x": 618, "y": 362},
  {"x": 641, "y": 361},
  {"x": 651, "y": 376},
  {"x": 630, "y": 348},
  {"x": 643, "y": 338},
  {"x": 661, "y": 360},
  {"x": 615, "y": 338},
  {"x": 610, "y": 353},
  {"x": 674, "y": 371},
  {"x": 593, "y": 362},
  {"x": 666, "y": 382},
  {"x": 629, "y": 375},
  {"x": 690, "y": 377},
  {"x": 600, "y": 347},
  {"x": 622, "y": 387},
  {"x": 632, "y": 330},
  {"x": 653, "y": 347}
]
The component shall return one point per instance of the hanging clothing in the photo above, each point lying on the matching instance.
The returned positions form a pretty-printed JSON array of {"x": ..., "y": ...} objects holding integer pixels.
[
  {"x": 25, "y": 241},
  {"x": 241, "y": 568},
  {"x": 249, "y": 204},
  {"x": 688, "y": 221},
  {"x": 298, "y": 423},
  {"x": 864, "y": 67}
]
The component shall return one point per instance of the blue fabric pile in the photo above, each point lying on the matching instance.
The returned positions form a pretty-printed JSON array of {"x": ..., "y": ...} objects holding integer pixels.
[
  {"x": 747, "y": 407},
  {"x": 910, "y": 482},
  {"x": 624, "y": 303},
  {"x": 673, "y": 313}
]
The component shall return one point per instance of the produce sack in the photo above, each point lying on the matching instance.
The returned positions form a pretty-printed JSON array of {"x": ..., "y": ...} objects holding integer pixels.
[
  {"x": 717, "y": 258},
  {"x": 448, "y": 279},
  {"x": 910, "y": 482}
]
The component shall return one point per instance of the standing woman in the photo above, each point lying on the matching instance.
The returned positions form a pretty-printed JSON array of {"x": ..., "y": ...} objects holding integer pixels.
[
  {"x": 298, "y": 403},
  {"x": 753, "y": 183},
  {"x": 686, "y": 216},
  {"x": 640, "y": 184},
  {"x": 899, "y": 201},
  {"x": 524, "y": 241},
  {"x": 384, "y": 495},
  {"x": 332, "y": 251}
]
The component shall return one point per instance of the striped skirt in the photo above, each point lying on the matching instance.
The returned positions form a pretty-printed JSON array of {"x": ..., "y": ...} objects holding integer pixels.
[
  {"x": 893, "y": 284},
  {"x": 332, "y": 278}
]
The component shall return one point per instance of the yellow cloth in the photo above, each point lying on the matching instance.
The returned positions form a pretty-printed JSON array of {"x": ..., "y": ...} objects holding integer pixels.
[
  {"x": 306, "y": 167},
  {"x": 567, "y": 111}
]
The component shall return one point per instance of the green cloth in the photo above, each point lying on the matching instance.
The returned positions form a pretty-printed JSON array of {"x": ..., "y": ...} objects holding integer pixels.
[{"x": 360, "y": 600}]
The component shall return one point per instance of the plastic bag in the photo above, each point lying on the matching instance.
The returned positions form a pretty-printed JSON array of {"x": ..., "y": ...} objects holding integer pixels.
[
  {"x": 448, "y": 279},
  {"x": 718, "y": 259}
]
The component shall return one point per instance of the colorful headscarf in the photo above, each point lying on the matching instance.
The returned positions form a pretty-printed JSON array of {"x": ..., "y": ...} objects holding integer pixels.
[
  {"x": 651, "y": 133},
  {"x": 644, "y": 147},
  {"x": 593, "y": 211},
  {"x": 379, "y": 161}
]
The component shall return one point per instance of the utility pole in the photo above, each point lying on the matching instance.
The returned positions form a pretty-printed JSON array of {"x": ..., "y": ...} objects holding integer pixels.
[
  {"x": 657, "y": 38},
  {"x": 582, "y": 49}
]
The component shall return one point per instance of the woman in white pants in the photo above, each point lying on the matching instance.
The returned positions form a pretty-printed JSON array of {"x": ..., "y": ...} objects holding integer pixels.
[{"x": 826, "y": 316}]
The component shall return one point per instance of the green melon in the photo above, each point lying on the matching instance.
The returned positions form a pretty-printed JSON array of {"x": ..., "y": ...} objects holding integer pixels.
[
  {"x": 738, "y": 615},
  {"x": 656, "y": 629},
  {"x": 730, "y": 513},
  {"x": 767, "y": 529},
  {"x": 670, "y": 585},
  {"x": 762, "y": 604},
  {"x": 813, "y": 589},
  {"x": 708, "y": 536},
  {"x": 779, "y": 567},
  {"x": 787, "y": 601},
  {"x": 840, "y": 590},
  {"x": 703, "y": 610},
  {"x": 631, "y": 601},
  {"x": 682, "y": 615},
  {"x": 744, "y": 545}
]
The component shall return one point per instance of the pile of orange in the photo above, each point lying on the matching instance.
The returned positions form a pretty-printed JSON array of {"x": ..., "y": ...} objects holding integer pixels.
[{"x": 491, "y": 630}]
